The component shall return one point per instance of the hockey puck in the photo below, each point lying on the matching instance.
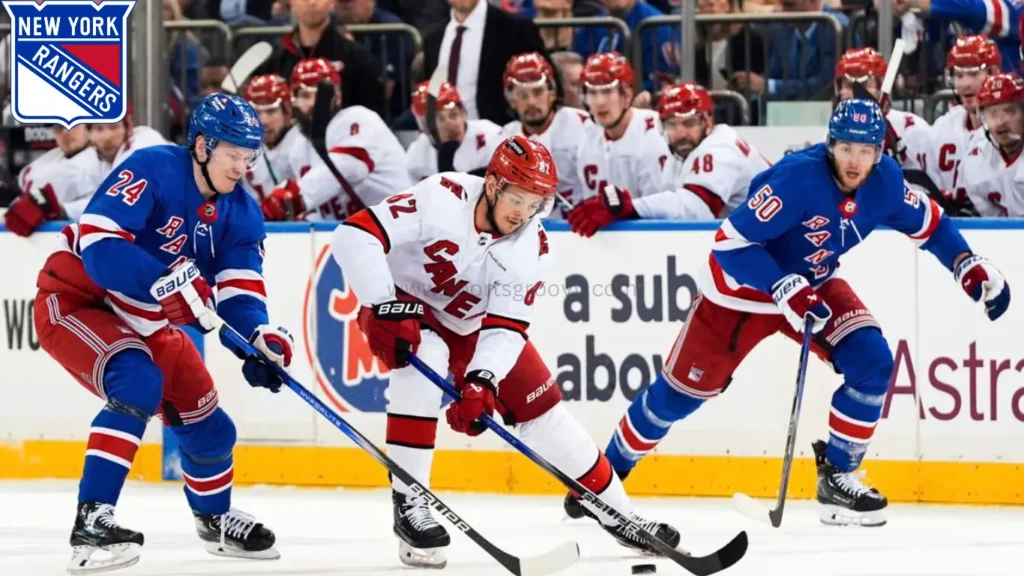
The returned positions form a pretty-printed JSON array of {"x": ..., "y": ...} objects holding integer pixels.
[{"x": 644, "y": 569}]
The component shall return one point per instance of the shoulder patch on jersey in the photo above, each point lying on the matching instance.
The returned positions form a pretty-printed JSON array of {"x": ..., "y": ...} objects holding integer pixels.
[
  {"x": 583, "y": 117},
  {"x": 543, "y": 237},
  {"x": 648, "y": 124},
  {"x": 454, "y": 187},
  {"x": 354, "y": 129},
  {"x": 481, "y": 141},
  {"x": 908, "y": 121}
]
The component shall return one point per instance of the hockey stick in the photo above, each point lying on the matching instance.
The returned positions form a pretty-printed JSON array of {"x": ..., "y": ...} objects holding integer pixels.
[
  {"x": 246, "y": 64},
  {"x": 725, "y": 557},
  {"x": 548, "y": 563},
  {"x": 323, "y": 112},
  {"x": 748, "y": 505}
]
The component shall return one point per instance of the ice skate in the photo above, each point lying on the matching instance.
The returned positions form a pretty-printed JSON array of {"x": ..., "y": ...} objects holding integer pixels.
[
  {"x": 422, "y": 542},
  {"x": 575, "y": 510},
  {"x": 846, "y": 500},
  {"x": 236, "y": 534},
  {"x": 663, "y": 532},
  {"x": 95, "y": 529}
]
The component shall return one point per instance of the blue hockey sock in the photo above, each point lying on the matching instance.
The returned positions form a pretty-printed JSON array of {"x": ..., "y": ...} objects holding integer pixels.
[
  {"x": 646, "y": 422},
  {"x": 866, "y": 363},
  {"x": 207, "y": 463},
  {"x": 132, "y": 385}
]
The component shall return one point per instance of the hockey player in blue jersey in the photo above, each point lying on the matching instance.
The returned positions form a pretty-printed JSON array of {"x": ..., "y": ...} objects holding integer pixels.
[
  {"x": 772, "y": 264},
  {"x": 167, "y": 226}
]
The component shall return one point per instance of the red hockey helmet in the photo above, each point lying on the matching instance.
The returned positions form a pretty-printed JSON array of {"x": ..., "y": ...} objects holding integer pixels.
[
  {"x": 973, "y": 51},
  {"x": 684, "y": 100},
  {"x": 447, "y": 97},
  {"x": 269, "y": 91},
  {"x": 526, "y": 164},
  {"x": 607, "y": 69},
  {"x": 857, "y": 64},
  {"x": 311, "y": 72},
  {"x": 528, "y": 69},
  {"x": 1001, "y": 88}
]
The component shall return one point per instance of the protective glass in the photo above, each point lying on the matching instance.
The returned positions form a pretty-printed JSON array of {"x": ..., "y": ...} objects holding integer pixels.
[{"x": 230, "y": 156}]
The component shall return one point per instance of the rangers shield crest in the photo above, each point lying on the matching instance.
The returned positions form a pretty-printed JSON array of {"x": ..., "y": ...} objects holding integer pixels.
[{"x": 69, "y": 61}]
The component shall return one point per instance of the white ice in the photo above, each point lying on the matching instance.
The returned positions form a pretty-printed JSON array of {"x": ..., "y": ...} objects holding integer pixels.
[{"x": 348, "y": 532}]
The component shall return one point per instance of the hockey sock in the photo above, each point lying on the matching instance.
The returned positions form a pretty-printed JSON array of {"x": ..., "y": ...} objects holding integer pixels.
[
  {"x": 866, "y": 363},
  {"x": 413, "y": 407},
  {"x": 410, "y": 442},
  {"x": 561, "y": 440},
  {"x": 132, "y": 385},
  {"x": 206, "y": 462},
  {"x": 647, "y": 421}
]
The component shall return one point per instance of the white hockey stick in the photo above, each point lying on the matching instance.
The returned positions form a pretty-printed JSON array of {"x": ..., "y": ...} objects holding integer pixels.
[
  {"x": 892, "y": 68},
  {"x": 246, "y": 64}
]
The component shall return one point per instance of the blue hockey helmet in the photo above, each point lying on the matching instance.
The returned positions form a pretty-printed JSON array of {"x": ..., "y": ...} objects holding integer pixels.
[
  {"x": 857, "y": 120},
  {"x": 226, "y": 118}
]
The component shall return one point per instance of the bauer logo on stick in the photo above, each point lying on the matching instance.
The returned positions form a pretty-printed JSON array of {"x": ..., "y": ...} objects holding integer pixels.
[{"x": 69, "y": 61}]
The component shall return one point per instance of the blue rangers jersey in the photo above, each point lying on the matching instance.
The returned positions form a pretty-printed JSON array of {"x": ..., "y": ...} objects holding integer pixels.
[
  {"x": 149, "y": 215},
  {"x": 796, "y": 220},
  {"x": 996, "y": 18}
]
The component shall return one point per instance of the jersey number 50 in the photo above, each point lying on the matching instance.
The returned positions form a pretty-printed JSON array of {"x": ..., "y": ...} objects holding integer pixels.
[
  {"x": 128, "y": 190},
  {"x": 764, "y": 205}
]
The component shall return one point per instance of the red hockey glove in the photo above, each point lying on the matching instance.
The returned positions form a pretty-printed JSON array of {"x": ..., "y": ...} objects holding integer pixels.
[
  {"x": 982, "y": 281},
  {"x": 284, "y": 203},
  {"x": 392, "y": 330},
  {"x": 31, "y": 209},
  {"x": 796, "y": 299},
  {"x": 609, "y": 205},
  {"x": 477, "y": 400},
  {"x": 185, "y": 297}
]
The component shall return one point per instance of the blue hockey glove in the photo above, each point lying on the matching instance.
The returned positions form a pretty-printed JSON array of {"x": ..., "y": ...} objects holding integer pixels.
[
  {"x": 276, "y": 344},
  {"x": 796, "y": 299},
  {"x": 982, "y": 281}
]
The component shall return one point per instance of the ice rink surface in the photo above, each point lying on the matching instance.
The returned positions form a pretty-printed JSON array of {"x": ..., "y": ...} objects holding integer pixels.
[{"x": 348, "y": 532}]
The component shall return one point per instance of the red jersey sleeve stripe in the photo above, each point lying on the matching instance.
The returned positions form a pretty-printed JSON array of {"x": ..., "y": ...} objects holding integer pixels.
[{"x": 367, "y": 221}]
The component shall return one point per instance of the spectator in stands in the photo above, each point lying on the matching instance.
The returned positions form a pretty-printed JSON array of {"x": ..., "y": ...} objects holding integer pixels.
[
  {"x": 555, "y": 38},
  {"x": 996, "y": 18},
  {"x": 395, "y": 50},
  {"x": 802, "y": 56},
  {"x": 183, "y": 54},
  {"x": 211, "y": 76},
  {"x": 658, "y": 42},
  {"x": 724, "y": 48},
  {"x": 424, "y": 15},
  {"x": 570, "y": 66},
  {"x": 476, "y": 43},
  {"x": 314, "y": 35}
]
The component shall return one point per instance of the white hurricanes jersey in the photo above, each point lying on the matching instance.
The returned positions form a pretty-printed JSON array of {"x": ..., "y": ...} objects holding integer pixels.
[
  {"x": 915, "y": 134},
  {"x": 366, "y": 153},
  {"x": 562, "y": 137},
  {"x": 40, "y": 170},
  {"x": 951, "y": 134},
  {"x": 709, "y": 183},
  {"x": 275, "y": 166},
  {"x": 474, "y": 281},
  {"x": 632, "y": 162},
  {"x": 481, "y": 139},
  {"x": 994, "y": 183}
]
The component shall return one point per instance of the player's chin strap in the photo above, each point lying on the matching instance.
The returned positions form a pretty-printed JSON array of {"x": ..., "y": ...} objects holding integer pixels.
[{"x": 204, "y": 170}]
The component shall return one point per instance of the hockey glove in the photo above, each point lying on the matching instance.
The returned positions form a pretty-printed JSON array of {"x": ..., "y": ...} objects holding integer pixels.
[
  {"x": 393, "y": 330},
  {"x": 983, "y": 282},
  {"x": 796, "y": 299},
  {"x": 31, "y": 209},
  {"x": 276, "y": 344},
  {"x": 185, "y": 297},
  {"x": 477, "y": 400},
  {"x": 611, "y": 204},
  {"x": 284, "y": 203}
]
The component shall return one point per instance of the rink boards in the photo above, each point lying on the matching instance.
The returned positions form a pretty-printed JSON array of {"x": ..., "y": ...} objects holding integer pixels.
[{"x": 605, "y": 322}]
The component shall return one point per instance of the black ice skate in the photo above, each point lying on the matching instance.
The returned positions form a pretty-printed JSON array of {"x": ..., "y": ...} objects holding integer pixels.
[
  {"x": 845, "y": 499},
  {"x": 664, "y": 532},
  {"x": 236, "y": 534},
  {"x": 421, "y": 540},
  {"x": 575, "y": 509},
  {"x": 95, "y": 529}
]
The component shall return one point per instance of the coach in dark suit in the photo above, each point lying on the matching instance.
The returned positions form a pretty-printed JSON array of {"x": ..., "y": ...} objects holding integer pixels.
[{"x": 476, "y": 43}]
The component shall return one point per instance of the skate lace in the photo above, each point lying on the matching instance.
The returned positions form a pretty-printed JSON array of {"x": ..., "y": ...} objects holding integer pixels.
[
  {"x": 103, "y": 516},
  {"x": 235, "y": 524},
  {"x": 650, "y": 526},
  {"x": 853, "y": 483},
  {"x": 419, "y": 515}
]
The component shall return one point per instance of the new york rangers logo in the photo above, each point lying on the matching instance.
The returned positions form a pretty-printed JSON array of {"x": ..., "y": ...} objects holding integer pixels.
[{"x": 69, "y": 61}]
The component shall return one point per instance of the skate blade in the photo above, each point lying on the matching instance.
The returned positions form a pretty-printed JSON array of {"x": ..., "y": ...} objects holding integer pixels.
[
  {"x": 120, "y": 556},
  {"x": 832, "y": 515},
  {"x": 230, "y": 551},
  {"x": 430, "y": 558}
]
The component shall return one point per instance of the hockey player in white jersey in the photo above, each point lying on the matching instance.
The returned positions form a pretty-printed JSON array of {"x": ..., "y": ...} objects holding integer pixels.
[
  {"x": 38, "y": 201},
  {"x": 991, "y": 173},
  {"x": 450, "y": 270},
  {"x": 530, "y": 90},
  {"x": 971, "y": 59},
  {"x": 270, "y": 95},
  {"x": 465, "y": 145},
  {"x": 913, "y": 135},
  {"x": 707, "y": 175},
  {"x": 368, "y": 158},
  {"x": 624, "y": 147}
]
